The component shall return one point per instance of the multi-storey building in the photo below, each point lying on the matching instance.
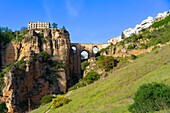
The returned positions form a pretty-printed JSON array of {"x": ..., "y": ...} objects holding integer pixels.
[{"x": 38, "y": 25}]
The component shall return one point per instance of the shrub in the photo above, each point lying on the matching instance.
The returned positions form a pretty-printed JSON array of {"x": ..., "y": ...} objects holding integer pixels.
[
  {"x": 91, "y": 77},
  {"x": 108, "y": 63},
  {"x": 131, "y": 46},
  {"x": 151, "y": 97},
  {"x": 21, "y": 64},
  {"x": 88, "y": 79},
  {"x": 84, "y": 65},
  {"x": 3, "y": 108},
  {"x": 133, "y": 57},
  {"x": 43, "y": 55},
  {"x": 59, "y": 101},
  {"x": 46, "y": 99}
]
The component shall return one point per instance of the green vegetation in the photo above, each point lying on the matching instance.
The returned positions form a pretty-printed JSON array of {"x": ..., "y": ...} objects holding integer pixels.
[
  {"x": 7, "y": 35},
  {"x": 43, "y": 55},
  {"x": 84, "y": 64},
  {"x": 21, "y": 64},
  {"x": 91, "y": 77},
  {"x": 165, "y": 21},
  {"x": 88, "y": 79},
  {"x": 151, "y": 97},
  {"x": 131, "y": 46},
  {"x": 149, "y": 37},
  {"x": 54, "y": 25},
  {"x": 115, "y": 93},
  {"x": 133, "y": 57},
  {"x": 3, "y": 108},
  {"x": 106, "y": 62},
  {"x": 46, "y": 99},
  {"x": 59, "y": 101},
  {"x": 2, "y": 73}
]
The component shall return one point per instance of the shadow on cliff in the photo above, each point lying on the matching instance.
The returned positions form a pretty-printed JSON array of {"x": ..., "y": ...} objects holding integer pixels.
[{"x": 78, "y": 54}]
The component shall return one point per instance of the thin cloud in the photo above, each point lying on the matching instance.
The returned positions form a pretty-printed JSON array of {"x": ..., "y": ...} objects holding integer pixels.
[
  {"x": 47, "y": 9},
  {"x": 71, "y": 9}
]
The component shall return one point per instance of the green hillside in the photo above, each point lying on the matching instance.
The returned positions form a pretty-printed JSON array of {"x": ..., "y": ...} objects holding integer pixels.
[{"x": 115, "y": 93}]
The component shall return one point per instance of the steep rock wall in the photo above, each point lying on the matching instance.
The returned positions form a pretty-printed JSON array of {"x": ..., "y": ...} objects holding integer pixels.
[
  {"x": 0, "y": 57},
  {"x": 20, "y": 84},
  {"x": 26, "y": 85}
]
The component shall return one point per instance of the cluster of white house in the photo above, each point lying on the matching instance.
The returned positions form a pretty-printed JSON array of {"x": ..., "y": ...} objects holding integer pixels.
[{"x": 144, "y": 24}]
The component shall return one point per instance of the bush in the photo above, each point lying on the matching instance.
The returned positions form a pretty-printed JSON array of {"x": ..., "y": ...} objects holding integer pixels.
[
  {"x": 151, "y": 97},
  {"x": 133, "y": 57},
  {"x": 84, "y": 65},
  {"x": 3, "y": 108},
  {"x": 46, "y": 99},
  {"x": 88, "y": 79},
  {"x": 59, "y": 101},
  {"x": 108, "y": 63},
  {"x": 91, "y": 77},
  {"x": 131, "y": 46},
  {"x": 43, "y": 55}
]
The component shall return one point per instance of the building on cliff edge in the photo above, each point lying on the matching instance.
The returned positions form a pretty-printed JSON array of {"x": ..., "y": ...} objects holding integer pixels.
[{"x": 38, "y": 25}]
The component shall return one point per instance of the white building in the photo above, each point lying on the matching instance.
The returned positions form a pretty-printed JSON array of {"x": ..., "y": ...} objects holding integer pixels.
[
  {"x": 38, "y": 25},
  {"x": 114, "y": 40},
  {"x": 143, "y": 25},
  {"x": 161, "y": 15}
]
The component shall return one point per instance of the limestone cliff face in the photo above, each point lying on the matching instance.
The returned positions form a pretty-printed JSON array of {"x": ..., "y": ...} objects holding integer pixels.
[
  {"x": 0, "y": 57},
  {"x": 37, "y": 78},
  {"x": 27, "y": 83}
]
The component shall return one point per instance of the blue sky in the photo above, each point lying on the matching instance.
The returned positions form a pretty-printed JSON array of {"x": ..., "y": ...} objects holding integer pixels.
[{"x": 88, "y": 21}]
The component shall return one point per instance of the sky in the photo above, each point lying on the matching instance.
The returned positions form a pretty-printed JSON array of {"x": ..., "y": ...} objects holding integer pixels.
[{"x": 88, "y": 21}]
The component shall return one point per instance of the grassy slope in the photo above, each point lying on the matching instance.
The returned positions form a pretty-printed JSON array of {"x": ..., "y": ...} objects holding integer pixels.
[{"x": 115, "y": 93}]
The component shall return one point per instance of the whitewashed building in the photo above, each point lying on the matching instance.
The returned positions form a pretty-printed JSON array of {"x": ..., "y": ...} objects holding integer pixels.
[
  {"x": 38, "y": 25},
  {"x": 143, "y": 25}
]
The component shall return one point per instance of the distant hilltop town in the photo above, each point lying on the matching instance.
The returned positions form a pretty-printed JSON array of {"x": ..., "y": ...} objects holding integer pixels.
[{"x": 143, "y": 25}]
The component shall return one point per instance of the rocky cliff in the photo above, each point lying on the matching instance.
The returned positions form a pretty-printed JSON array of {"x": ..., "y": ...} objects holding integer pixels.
[{"x": 41, "y": 67}]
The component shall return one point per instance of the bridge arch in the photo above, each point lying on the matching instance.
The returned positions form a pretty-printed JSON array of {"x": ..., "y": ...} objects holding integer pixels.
[
  {"x": 74, "y": 49},
  {"x": 84, "y": 54},
  {"x": 76, "y": 56},
  {"x": 95, "y": 49}
]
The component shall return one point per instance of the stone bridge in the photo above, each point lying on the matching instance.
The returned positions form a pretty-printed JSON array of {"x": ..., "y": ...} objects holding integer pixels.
[{"x": 76, "y": 56}]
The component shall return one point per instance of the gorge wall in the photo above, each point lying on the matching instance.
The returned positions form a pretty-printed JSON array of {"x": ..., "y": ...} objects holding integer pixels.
[
  {"x": 42, "y": 63},
  {"x": 35, "y": 73}
]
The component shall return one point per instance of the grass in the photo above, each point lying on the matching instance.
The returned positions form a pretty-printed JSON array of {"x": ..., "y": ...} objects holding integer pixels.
[{"x": 115, "y": 93}]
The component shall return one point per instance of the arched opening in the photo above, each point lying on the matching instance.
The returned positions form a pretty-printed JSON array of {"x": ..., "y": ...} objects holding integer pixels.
[
  {"x": 74, "y": 49},
  {"x": 84, "y": 55},
  {"x": 95, "y": 49}
]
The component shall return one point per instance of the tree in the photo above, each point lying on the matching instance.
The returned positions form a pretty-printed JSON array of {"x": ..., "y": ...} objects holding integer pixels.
[
  {"x": 23, "y": 30},
  {"x": 123, "y": 36},
  {"x": 63, "y": 28},
  {"x": 54, "y": 25}
]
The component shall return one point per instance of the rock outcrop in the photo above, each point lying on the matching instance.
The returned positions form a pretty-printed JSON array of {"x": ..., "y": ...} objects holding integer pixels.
[
  {"x": 0, "y": 57},
  {"x": 38, "y": 76}
]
